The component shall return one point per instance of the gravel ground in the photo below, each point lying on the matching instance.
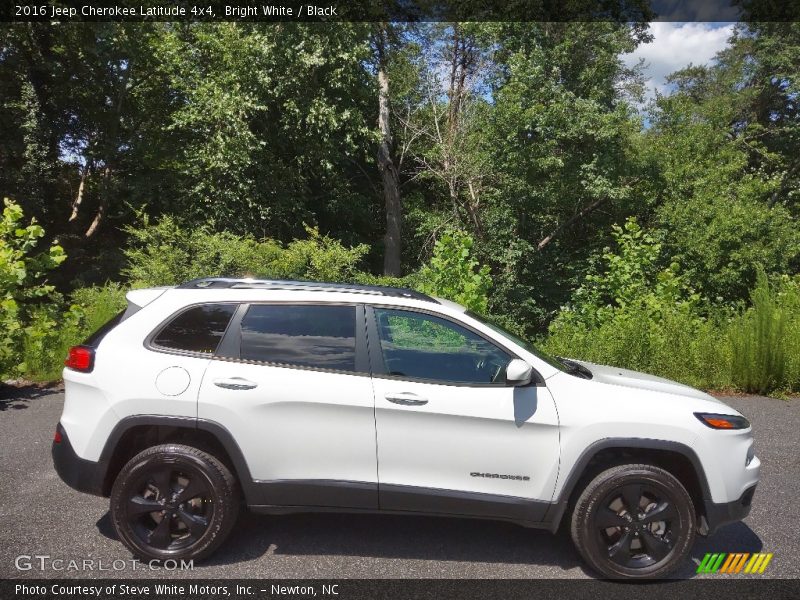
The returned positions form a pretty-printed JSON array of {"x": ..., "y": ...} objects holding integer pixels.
[{"x": 39, "y": 515}]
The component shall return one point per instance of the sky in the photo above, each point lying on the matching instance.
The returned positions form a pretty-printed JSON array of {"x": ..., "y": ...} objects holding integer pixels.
[{"x": 675, "y": 46}]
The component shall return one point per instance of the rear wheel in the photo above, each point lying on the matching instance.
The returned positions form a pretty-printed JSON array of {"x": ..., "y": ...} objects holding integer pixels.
[
  {"x": 634, "y": 521},
  {"x": 174, "y": 502}
]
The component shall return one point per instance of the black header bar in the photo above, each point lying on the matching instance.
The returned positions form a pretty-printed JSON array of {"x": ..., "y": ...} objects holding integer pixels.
[
  {"x": 174, "y": 588},
  {"x": 399, "y": 10}
]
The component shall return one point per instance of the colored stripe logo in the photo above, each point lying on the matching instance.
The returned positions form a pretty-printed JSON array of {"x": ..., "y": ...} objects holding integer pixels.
[{"x": 736, "y": 562}]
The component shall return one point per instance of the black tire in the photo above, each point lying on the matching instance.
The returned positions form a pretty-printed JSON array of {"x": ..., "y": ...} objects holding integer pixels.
[
  {"x": 645, "y": 543},
  {"x": 194, "y": 500}
]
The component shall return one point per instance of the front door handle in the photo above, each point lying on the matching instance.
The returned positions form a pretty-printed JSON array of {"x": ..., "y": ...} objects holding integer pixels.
[
  {"x": 235, "y": 383},
  {"x": 406, "y": 399}
]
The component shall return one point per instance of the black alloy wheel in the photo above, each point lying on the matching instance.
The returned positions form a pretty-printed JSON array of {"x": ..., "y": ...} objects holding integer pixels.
[
  {"x": 634, "y": 521},
  {"x": 174, "y": 502},
  {"x": 637, "y": 524},
  {"x": 170, "y": 508}
]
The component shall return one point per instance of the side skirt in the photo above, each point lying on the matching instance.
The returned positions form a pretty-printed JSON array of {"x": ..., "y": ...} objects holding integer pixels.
[
  {"x": 317, "y": 493},
  {"x": 292, "y": 496}
]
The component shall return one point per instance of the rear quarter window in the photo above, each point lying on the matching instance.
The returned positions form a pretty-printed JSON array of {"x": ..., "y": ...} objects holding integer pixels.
[{"x": 197, "y": 329}]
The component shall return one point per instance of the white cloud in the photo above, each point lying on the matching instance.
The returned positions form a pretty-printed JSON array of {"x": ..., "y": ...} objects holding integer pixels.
[{"x": 676, "y": 45}]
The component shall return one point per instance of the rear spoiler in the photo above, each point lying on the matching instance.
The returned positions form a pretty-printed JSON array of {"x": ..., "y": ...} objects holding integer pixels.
[{"x": 137, "y": 299}]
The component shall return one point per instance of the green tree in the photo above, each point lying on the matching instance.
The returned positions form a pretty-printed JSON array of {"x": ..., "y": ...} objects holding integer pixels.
[
  {"x": 263, "y": 149},
  {"x": 103, "y": 121},
  {"x": 724, "y": 150},
  {"x": 561, "y": 131}
]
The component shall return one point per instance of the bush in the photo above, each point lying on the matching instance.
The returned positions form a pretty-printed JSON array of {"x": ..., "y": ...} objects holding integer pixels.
[
  {"x": 166, "y": 254},
  {"x": 48, "y": 336},
  {"x": 97, "y": 305},
  {"x": 678, "y": 345},
  {"x": 21, "y": 279},
  {"x": 630, "y": 310},
  {"x": 453, "y": 273},
  {"x": 759, "y": 338},
  {"x": 631, "y": 315},
  {"x": 57, "y": 325},
  {"x": 789, "y": 301}
]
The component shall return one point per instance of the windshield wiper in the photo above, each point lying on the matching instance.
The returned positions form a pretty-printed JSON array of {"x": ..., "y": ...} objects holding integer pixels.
[{"x": 574, "y": 368}]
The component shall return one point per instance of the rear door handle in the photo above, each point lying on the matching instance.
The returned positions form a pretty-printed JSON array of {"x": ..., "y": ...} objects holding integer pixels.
[
  {"x": 235, "y": 383},
  {"x": 406, "y": 399}
]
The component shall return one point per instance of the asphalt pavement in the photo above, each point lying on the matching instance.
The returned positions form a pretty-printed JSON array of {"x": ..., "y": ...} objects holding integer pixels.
[{"x": 41, "y": 516}]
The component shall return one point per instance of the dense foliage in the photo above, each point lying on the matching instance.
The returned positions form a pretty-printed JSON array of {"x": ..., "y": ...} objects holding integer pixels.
[
  {"x": 631, "y": 314},
  {"x": 507, "y": 166},
  {"x": 21, "y": 272}
]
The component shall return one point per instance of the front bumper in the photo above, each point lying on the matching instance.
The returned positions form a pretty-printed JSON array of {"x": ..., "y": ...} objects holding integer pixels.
[
  {"x": 718, "y": 515},
  {"x": 78, "y": 473}
]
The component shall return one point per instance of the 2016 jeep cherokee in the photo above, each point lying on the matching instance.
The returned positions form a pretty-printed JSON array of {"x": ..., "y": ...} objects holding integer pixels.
[{"x": 303, "y": 396}]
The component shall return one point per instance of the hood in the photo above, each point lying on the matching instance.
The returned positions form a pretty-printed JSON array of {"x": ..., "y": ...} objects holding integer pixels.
[{"x": 642, "y": 381}]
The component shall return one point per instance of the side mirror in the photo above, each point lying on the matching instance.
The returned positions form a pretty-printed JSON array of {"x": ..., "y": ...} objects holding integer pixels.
[{"x": 518, "y": 372}]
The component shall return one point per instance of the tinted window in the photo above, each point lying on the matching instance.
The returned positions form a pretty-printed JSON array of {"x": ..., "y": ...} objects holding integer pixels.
[
  {"x": 428, "y": 347},
  {"x": 308, "y": 336},
  {"x": 551, "y": 360},
  {"x": 198, "y": 329}
]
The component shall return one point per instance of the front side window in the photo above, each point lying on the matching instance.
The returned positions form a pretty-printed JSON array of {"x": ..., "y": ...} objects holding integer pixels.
[
  {"x": 423, "y": 346},
  {"x": 198, "y": 329},
  {"x": 321, "y": 337}
]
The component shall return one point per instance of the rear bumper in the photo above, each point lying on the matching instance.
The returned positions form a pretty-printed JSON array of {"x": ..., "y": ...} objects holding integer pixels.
[
  {"x": 718, "y": 515},
  {"x": 78, "y": 473}
]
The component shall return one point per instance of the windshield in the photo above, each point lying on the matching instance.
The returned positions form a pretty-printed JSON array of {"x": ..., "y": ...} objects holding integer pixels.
[{"x": 550, "y": 360}]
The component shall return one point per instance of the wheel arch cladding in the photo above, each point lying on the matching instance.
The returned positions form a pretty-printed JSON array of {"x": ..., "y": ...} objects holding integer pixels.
[
  {"x": 678, "y": 459},
  {"x": 134, "y": 434}
]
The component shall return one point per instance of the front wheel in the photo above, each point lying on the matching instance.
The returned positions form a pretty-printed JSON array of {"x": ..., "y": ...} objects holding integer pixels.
[
  {"x": 174, "y": 502},
  {"x": 633, "y": 522}
]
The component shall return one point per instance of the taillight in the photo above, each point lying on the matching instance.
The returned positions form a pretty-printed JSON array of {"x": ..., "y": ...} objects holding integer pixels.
[
  {"x": 80, "y": 358},
  {"x": 57, "y": 436}
]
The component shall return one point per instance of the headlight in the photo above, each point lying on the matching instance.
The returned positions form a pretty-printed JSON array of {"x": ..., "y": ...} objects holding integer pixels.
[{"x": 716, "y": 421}]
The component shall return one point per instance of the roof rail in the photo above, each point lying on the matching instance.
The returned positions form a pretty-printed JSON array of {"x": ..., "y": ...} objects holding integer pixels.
[{"x": 306, "y": 286}]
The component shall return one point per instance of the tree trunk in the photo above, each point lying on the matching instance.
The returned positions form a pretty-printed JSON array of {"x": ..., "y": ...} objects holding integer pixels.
[
  {"x": 387, "y": 168},
  {"x": 576, "y": 217},
  {"x": 111, "y": 147},
  {"x": 103, "y": 207},
  {"x": 472, "y": 207},
  {"x": 76, "y": 205}
]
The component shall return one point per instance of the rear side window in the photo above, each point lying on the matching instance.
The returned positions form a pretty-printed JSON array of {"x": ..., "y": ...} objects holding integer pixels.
[
  {"x": 198, "y": 329},
  {"x": 322, "y": 337}
]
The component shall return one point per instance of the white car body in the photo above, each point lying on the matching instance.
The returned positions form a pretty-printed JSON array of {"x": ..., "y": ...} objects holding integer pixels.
[{"x": 314, "y": 439}]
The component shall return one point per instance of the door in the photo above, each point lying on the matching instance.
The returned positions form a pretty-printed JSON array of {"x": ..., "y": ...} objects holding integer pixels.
[
  {"x": 292, "y": 386},
  {"x": 452, "y": 436}
]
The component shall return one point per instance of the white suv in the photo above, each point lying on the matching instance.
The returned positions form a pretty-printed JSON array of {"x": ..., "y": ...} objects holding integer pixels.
[{"x": 299, "y": 396}]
